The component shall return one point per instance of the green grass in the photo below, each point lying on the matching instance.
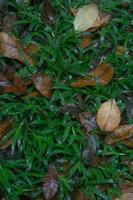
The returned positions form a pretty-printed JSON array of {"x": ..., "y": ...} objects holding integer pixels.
[{"x": 40, "y": 136}]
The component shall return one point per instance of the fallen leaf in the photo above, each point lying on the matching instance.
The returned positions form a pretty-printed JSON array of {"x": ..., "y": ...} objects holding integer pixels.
[
  {"x": 120, "y": 50},
  {"x": 32, "y": 94},
  {"x": 102, "y": 20},
  {"x": 43, "y": 84},
  {"x": 102, "y": 75},
  {"x": 122, "y": 132},
  {"x": 79, "y": 195},
  {"x": 128, "y": 142},
  {"x": 5, "y": 126},
  {"x": 9, "y": 22},
  {"x": 32, "y": 49},
  {"x": 89, "y": 152},
  {"x": 128, "y": 99},
  {"x": 108, "y": 116},
  {"x": 127, "y": 187},
  {"x": 48, "y": 12},
  {"x": 126, "y": 196},
  {"x": 71, "y": 109},
  {"x": 85, "y": 41},
  {"x": 74, "y": 11},
  {"x": 11, "y": 48},
  {"x": 85, "y": 17},
  {"x": 16, "y": 85},
  {"x": 88, "y": 121},
  {"x": 50, "y": 186}
]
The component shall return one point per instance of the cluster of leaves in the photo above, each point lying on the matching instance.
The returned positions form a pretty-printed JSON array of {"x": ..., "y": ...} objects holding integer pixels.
[{"x": 63, "y": 138}]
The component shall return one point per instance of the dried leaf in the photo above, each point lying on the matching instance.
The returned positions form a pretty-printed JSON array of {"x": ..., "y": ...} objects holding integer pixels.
[
  {"x": 89, "y": 152},
  {"x": 79, "y": 195},
  {"x": 102, "y": 20},
  {"x": 88, "y": 121},
  {"x": 74, "y": 11},
  {"x": 126, "y": 196},
  {"x": 5, "y": 126},
  {"x": 102, "y": 74},
  {"x": 120, "y": 133},
  {"x": 85, "y": 41},
  {"x": 11, "y": 48},
  {"x": 127, "y": 187},
  {"x": 120, "y": 50},
  {"x": 128, "y": 142},
  {"x": 71, "y": 109},
  {"x": 14, "y": 85},
  {"x": 48, "y": 12},
  {"x": 85, "y": 17},
  {"x": 108, "y": 116},
  {"x": 32, "y": 49},
  {"x": 9, "y": 22},
  {"x": 43, "y": 84},
  {"x": 50, "y": 186}
]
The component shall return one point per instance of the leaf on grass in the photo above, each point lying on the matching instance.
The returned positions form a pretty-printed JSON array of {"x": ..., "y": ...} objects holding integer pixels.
[
  {"x": 14, "y": 84},
  {"x": 5, "y": 126},
  {"x": 120, "y": 50},
  {"x": 32, "y": 49},
  {"x": 11, "y": 48},
  {"x": 71, "y": 109},
  {"x": 79, "y": 195},
  {"x": 88, "y": 121},
  {"x": 48, "y": 12},
  {"x": 126, "y": 196},
  {"x": 85, "y": 41},
  {"x": 120, "y": 133},
  {"x": 89, "y": 152},
  {"x": 102, "y": 75},
  {"x": 50, "y": 186},
  {"x": 128, "y": 99},
  {"x": 85, "y": 17},
  {"x": 43, "y": 84},
  {"x": 102, "y": 20},
  {"x": 108, "y": 116},
  {"x": 127, "y": 187},
  {"x": 74, "y": 11},
  {"x": 128, "y": 142},
  {"x": 9, "y": 21}
]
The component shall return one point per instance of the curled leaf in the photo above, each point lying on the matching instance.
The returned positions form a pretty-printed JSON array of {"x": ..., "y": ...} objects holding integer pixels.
[
  {"x": 85, "y": 17},
  {"x": 11, "y": 48},
  {"x": 120, "y": 133},
  {"x": 108, "y": 116},
  {"x": 102, "y": 75},
  {"x": 50, "y": 186},
  {"x": 43, "y": 84}
]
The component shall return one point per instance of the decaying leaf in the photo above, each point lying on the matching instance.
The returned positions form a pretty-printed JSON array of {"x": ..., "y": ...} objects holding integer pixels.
[
  {"x": 101, "y": 75},
  {"x": 89, "y": 152},
  {"x": 9, "y": 22},
  {"x": 11, "y": 48},
  {"x": 71, "y": 109},
  {"x": 128, "y": 142},
  {"x": 127, "y": 187},
  {"x": 31, "y": 49},
  {"x": 74, "y": 11},
  {"x": 120, "y": 133},
  {"x": 79, "y": 195},
  {"x": 88, "y": 121},
  {"x": 50, "y": 186},
  {"x": 12, "y": 84},
  {"x": 120, "y": 50},
  {"x": 43, "y": 84},
  {"x": 85, "y": 17},
  {"x": 126, "y": 196},
  {"x": 5, "y": 126},
  {"x": 102, "y": 20},
  {"x": 48, "y": 12},
  {"x": 85, "y": 41},
  {"x": 108, "y": 116}
]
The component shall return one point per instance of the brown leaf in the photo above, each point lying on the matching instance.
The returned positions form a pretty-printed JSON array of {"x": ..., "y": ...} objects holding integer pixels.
[
  {"x": 5, "y": 126},
  {"x": 48, "y": 12},
  {"x": 32, "y": 49},
  {"x": 85, "y": 41},
  {"x": 102, "y": 74},
  {"x": 120, "y": 50},
  {"x": 126, "y": 196},
  {"x": 108, "y": 116},
  {"x": 11, "y": 48},
  {"x": 14, "y": 84},
  {"x": 79, "y": 195},
  {"x": 9, "y": 22},
  {"x": 122, "y": 132},
  {"x": 88, "y": 121},
  {"x": 127, "y": 187},
  {"x": 102, "y": 20},
  {"x": 74, "y": 11},
  {"x": 43, "y": 84},
  {"x": 50, "y": 186},
  {"x": 71, "y": 109},
  {"x": 128, "y": 142}
]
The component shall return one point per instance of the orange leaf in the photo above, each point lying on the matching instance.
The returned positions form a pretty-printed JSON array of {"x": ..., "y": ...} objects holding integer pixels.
[
  {"x": 43, "y": 84},
  {"x": 108, "y": 116},
  {"x": 85, "y": 41},
  {"x": 120, "y": 133},
  {"x": 102, "y": 74},
  {"x": 11, "y": 48}
]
